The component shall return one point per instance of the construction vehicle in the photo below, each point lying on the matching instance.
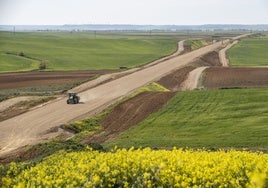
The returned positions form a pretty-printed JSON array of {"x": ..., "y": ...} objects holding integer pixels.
[{"x": 73, "y": 98}]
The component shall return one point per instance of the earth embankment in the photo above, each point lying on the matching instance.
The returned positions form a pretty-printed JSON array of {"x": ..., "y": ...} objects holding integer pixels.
[{"x": 236, "y": 77}]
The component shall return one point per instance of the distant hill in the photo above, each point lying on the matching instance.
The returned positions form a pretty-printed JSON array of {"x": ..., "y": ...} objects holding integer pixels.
[{"x": 118, "y": 27}]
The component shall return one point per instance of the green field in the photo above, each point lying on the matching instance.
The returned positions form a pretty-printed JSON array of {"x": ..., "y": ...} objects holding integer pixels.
[
  {"x": 249, "y": 52},
  {"x": 80, "y": 50},
  {"x": 211, "y": 119},
  {"x": 9, "y": 63}
]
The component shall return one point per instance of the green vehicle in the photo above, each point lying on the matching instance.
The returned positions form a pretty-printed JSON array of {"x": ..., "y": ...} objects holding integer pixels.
[{"x": 73, "y": 98}]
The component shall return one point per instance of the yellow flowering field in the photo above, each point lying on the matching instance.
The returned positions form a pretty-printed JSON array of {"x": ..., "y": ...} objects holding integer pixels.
[{"x": 143, "y": 168}]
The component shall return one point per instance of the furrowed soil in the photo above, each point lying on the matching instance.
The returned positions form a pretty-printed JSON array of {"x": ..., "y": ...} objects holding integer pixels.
[
  {"x": 242, "y": 77},
  {"x": 174, "y": 80},
  {"x": 209, "y": 59},
  {"x": 28, "y": 79}
]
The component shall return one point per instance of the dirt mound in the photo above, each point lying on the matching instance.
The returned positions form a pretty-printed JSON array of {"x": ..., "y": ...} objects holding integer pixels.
[
  {"x": 239, "y": 77},
  {"x": 28, "y": 79},
  {"x": 174, "y": 80},
  {"x": 129, "y": 113},
  {"x": 207, "y": 60}
]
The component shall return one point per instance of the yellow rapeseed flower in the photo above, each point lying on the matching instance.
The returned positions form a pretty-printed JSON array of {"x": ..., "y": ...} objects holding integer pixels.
[{"x": 143, "y": 168}]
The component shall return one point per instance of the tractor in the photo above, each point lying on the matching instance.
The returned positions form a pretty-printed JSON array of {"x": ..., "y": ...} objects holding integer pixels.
[{"x": 73, "y": 98}]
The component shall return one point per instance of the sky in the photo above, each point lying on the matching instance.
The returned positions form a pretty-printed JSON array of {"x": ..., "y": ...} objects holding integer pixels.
[{"x": 155, "y": 12}]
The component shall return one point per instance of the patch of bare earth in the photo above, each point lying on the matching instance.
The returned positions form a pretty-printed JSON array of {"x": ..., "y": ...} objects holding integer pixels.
[
  {"x": 128, "y": 114},
  {"x": 29, "y": 79},
  {"x": 235, "y": 77},
  {"x": 207, "y": 60},
  {"x": 174, "y": 80}
]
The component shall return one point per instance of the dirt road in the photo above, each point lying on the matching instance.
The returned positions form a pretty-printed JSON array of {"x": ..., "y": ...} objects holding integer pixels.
[
  {"x": 222, "y": 54},
  {"x": 192, "y": 80},
  {"x": 35, "y": 126},
  {"x": 10, "y": 102}
]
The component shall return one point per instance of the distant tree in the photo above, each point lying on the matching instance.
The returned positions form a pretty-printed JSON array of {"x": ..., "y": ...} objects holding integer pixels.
[
  {"x": 21, "y": 54},
  {"x": 42, "y": 65}
]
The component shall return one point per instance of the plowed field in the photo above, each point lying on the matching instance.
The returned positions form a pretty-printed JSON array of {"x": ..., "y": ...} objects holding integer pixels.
[
  {"x": 219, "y": 77},
  {"x": 28, "y": 79}
]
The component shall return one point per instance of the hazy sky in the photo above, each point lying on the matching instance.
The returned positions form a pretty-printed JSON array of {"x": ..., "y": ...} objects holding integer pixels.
[{"x": 177, "y": 12}]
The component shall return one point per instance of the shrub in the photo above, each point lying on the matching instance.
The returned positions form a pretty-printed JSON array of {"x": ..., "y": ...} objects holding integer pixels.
[
  {"x": 43, "y": 65},
  {"x": 22, "y": 54}
]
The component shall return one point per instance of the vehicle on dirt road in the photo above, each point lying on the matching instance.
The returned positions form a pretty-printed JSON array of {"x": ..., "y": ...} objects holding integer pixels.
[{"x": 73, "y": 98}]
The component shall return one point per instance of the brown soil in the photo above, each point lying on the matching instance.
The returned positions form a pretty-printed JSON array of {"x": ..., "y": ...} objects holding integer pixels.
[
  {"x": 130, "y": 113},
  {"x": 174, "y": 80},
  {"x": 28, "y": 79},
  {"x": 207, "y": 60},
  {"x": 230, "y": 77}
]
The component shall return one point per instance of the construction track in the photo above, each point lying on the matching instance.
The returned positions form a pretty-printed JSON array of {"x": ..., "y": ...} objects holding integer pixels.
[{"x": 35, "y": 126}]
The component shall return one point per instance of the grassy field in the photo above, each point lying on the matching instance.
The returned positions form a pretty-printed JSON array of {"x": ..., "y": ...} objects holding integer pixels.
[
  {"x": 211, "y": 119},
  {"x": 249, "y": 52},
  {"x": 197, "y": 43},
  {"x": 80, "y": 50},
  {"x": 10, "y": 63}
]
